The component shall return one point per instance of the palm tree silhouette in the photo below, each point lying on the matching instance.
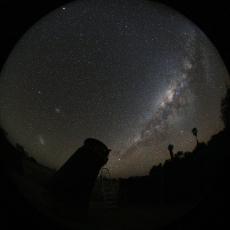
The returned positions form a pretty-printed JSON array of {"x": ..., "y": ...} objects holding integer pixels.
[
  {"x": 195, "y": 132},
  {"x": 170, "y": 148}
]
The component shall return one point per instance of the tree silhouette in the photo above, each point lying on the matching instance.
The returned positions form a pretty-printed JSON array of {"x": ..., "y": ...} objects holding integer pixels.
[
  {"x": 179, "y": 154},
  {"x": 194, "y": 132},
  {"x": 170, "y": 148},
  {"x": 225, "y": 109}
]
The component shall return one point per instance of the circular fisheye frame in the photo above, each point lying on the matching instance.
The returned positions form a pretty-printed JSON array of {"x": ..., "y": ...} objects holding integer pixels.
[{"x": 133, "y": 81}]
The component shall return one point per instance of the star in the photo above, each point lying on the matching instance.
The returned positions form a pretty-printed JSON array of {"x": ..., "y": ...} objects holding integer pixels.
[{"x": 57, "y": 110}]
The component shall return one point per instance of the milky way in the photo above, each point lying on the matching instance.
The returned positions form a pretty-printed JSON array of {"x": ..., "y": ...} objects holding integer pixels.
[{"x": 134, "y": 74}]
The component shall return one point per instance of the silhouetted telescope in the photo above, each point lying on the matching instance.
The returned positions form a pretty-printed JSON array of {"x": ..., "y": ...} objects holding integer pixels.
[{"x": 73, "y": 182}]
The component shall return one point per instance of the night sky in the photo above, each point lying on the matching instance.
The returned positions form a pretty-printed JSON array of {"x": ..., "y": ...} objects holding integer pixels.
[{"x": 134, "y": 74}]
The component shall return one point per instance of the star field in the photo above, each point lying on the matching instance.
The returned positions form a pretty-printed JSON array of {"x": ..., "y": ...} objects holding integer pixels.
[{"x": 134, "y": 74}]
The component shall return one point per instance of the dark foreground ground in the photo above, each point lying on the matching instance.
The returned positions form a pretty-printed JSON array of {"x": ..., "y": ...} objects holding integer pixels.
[
  {"x": 33, "y": 211},
  {"x": 26, "y": 204}
]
